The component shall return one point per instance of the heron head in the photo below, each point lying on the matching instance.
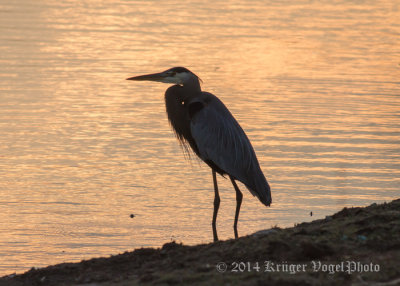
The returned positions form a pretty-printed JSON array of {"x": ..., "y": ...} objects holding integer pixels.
[{"x": 177, "y": 75}]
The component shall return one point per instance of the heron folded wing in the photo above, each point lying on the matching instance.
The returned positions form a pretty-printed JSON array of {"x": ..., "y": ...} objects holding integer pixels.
[{"x": 221, "y": 140}]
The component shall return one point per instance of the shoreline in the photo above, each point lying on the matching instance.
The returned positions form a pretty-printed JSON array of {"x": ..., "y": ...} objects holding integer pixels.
[{"x": 355, "y": 246}]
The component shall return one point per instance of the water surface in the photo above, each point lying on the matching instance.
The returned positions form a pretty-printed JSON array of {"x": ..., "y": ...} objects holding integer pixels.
[{"x": 314, "y": 84}]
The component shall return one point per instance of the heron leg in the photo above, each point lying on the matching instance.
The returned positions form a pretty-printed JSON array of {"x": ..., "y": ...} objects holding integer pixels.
[
  {"x": 239, "y": 197},
  {"x": 216, "y": 206}
]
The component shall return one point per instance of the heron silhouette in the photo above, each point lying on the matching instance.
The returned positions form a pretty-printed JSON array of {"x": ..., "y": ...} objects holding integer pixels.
[{"x": 200, "y": 120}]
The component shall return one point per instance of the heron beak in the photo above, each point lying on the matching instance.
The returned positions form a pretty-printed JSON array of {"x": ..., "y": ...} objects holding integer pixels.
[{"x": 149, "y": 77}]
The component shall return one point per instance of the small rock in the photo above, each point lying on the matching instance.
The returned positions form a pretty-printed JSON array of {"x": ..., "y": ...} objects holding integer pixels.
[
  {"x": 362, "y": 238},
  {"x": 10, "y": 276},
  {"x": 265, "y": 232}
]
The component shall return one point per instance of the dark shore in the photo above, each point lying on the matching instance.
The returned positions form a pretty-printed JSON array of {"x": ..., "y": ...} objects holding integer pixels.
[{"x": 356, "y": 246}]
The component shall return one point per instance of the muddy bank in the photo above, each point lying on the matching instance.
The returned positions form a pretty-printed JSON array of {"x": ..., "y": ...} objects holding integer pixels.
[{"x": 356, "y": 246}]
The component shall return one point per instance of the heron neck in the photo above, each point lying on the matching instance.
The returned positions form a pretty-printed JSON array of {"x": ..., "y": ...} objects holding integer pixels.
[{"x": 191, "y": 87}]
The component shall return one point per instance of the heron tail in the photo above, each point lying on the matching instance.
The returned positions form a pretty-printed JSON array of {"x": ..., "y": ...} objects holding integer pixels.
[{"x": 260, "y": 188}]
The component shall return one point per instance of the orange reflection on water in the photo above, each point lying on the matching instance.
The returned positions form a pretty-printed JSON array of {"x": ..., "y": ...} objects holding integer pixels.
[{"x": 314, "y": 86}]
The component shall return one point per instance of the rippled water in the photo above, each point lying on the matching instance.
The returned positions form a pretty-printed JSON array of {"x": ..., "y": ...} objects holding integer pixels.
[{"x": 314, "y": 84}]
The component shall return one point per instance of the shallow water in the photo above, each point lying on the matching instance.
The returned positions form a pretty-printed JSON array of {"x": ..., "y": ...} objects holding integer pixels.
[{"x": 315, "y": 85}]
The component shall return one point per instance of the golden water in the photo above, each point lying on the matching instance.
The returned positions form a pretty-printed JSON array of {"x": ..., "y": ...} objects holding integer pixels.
[{"x": 316, "y": 86}]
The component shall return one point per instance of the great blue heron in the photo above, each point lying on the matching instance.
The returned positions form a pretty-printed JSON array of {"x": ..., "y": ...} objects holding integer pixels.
[{"x": 200, "y": 120}]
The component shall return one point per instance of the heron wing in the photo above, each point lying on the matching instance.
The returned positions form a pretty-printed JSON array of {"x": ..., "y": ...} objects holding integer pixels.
[{"x": 220, "y": 139}]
